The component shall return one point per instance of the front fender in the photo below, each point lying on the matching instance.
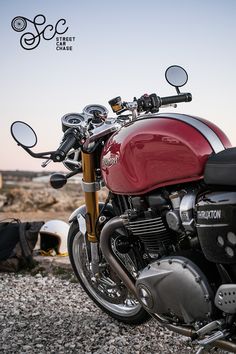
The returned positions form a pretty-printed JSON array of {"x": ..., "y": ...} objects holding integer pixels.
[
  {"x": 81, "y": 210},
  {"x": 79, "y": 215}
]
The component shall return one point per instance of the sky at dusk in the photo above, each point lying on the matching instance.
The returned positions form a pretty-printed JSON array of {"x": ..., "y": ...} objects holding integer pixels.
[{"x": 120, "y": 48}]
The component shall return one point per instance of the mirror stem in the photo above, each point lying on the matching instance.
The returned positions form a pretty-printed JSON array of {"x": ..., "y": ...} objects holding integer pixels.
[
  {"x": 39, "y": 155},
  {"x": 177, "y": 90}
]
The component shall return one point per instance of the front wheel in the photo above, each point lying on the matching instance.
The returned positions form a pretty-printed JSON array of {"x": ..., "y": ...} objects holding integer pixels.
[{"x": 107, "y": 291}]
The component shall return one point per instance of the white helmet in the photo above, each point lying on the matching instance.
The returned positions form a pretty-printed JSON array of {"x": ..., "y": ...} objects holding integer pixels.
[{"x": 53, "y": 235}]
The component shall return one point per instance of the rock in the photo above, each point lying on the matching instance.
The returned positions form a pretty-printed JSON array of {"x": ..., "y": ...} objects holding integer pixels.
[
  {"x": 27, "y": 347},
  {"x": 38, "y": 275}
]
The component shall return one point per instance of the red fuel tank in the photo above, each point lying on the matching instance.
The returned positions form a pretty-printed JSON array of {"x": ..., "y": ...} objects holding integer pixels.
[{"x": 159, "y": 150}]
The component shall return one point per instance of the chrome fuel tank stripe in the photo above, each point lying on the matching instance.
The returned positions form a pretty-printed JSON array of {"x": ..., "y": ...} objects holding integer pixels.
[{"x": 206, "y": 131}]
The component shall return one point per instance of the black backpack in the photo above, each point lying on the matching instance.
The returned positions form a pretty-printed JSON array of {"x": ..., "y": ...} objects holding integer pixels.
[{"x": 17, "y": 241}]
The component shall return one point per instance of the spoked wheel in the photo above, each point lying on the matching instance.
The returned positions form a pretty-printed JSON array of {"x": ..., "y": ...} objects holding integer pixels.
[{"x": 107, "y": 291}]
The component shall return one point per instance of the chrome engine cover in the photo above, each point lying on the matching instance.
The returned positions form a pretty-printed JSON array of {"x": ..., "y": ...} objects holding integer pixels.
[{"x": 176, "y": 287}]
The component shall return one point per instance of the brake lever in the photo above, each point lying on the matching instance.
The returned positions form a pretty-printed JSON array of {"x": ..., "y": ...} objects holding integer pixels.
[
  {"x": 46, "y": 163},
  {"x": 174, "y": 105}
]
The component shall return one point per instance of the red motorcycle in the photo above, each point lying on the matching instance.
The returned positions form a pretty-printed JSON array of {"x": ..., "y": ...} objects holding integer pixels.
[{"x": 164, "y": 241}]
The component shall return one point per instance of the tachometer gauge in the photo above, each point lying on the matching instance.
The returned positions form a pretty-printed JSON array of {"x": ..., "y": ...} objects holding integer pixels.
[
  {"x": 91, "y": 108},
  {"x": 72, "y": 120}
]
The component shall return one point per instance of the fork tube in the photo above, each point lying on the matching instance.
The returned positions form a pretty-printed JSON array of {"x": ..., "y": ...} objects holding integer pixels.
[{"x": 91, "y": 195}]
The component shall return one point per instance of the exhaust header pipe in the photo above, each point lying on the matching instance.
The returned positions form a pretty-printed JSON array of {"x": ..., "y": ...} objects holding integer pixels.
[{"x": 105, "y": 244}]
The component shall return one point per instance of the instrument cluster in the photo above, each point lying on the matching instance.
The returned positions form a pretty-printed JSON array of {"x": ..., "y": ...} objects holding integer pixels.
[{"x": 74, "y": 120}]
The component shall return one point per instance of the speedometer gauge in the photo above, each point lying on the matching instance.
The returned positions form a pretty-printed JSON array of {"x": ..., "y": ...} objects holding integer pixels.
[
  {"x": 72, "y": 120},
  {"x": 92, "y": 108}
]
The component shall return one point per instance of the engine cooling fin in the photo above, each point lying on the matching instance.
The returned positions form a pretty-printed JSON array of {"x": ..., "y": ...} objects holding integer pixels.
[{"x": 153, "y": 233}]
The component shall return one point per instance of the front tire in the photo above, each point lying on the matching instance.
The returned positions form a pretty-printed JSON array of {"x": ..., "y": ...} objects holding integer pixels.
[{"x": 112, "y": 297}]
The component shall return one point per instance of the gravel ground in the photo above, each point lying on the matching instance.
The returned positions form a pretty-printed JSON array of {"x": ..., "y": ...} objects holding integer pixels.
[{"x": 51, "y": 314}]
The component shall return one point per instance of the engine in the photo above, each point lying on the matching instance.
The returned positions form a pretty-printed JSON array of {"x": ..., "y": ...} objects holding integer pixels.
[
  {"x": 185, "y": 234},
  {"x": 161, "y": 221}
]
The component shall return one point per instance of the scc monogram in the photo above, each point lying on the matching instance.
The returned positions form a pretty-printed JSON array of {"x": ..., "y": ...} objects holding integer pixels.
[{"x": 31, "y": 40}]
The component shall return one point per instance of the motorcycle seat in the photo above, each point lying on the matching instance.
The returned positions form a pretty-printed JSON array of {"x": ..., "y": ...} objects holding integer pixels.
[{"x": 220, "y": 168}]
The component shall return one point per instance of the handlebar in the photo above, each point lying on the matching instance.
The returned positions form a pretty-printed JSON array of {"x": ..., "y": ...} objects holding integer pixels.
[
  {"x": 152, "y": 103},
  {"x": 68, "y": 142},
  {"x": 182, "y": 97},
  {"x": 147, "y": 103}
]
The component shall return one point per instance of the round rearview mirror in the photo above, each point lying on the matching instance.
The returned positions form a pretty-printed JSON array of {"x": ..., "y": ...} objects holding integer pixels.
[
  {"x": 23, "y": 134},
  {"x": 176, "y": 76}
]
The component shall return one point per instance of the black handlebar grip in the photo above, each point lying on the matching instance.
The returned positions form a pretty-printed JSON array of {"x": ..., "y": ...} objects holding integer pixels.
[
  {"x": 182, "y": 97},
  {"x": 66, "y": 145}
]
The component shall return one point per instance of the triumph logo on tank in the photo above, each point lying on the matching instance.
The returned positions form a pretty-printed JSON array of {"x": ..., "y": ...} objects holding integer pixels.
[
  {"x": 110, "y": 161},
  {"x": 209, "y": 214},
  {"x": 36, "y": 30}
]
